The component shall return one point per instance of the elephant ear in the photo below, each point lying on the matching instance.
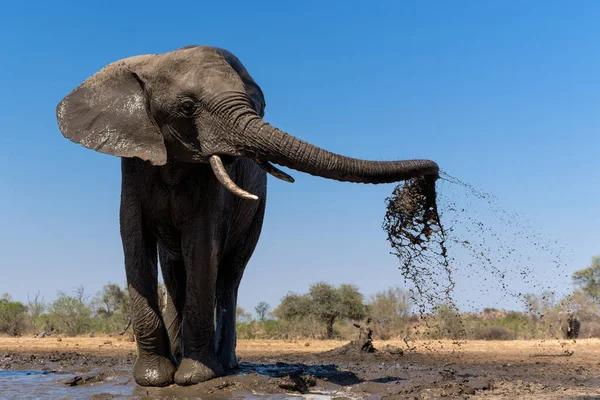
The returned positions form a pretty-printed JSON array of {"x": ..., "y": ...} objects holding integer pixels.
[
  {"x": 252, "y": 88},
  {"x": 108, "y": 113}
]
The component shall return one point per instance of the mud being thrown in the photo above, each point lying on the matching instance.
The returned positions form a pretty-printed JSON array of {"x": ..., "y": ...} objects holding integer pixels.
[{"x": 457, "y": 244}]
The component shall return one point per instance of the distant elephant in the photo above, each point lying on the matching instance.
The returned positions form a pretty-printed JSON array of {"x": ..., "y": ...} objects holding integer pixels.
[
  {"x": 194, "y": 151},
  {"x": 569, "y": 325}
]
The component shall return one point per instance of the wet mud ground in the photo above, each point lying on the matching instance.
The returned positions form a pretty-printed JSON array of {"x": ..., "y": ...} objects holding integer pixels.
[{"x": 78, "y": 368}]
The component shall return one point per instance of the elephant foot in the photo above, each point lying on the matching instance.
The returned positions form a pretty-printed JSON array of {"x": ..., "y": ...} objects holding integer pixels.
[
  {"x": 153, "y": 370},
  {"x": 229, "y": 362},
  {"x": 191, "y": 371}
]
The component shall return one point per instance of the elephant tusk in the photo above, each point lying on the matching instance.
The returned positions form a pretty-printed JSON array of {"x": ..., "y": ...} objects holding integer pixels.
[
  {"x": 276, "y": 172},
  {"x": 221, "y": 174}
]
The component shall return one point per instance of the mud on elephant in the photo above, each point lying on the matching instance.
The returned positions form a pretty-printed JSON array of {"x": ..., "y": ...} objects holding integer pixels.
[{"x": 195, "y": 153}]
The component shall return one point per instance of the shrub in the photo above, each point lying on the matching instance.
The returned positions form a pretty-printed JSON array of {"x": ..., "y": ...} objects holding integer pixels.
[
  {"x": 12, "y": 316},
  {"x": 447, "y": 323},
  {"x": 493, "y": 333},
  {"x": 70, "y": 315},
  {"x": 589, "y": 329},
  {"x": 389, "y": 310},
  {"x": 35, "y": 313},
  {"x": 112, "y": 308}
]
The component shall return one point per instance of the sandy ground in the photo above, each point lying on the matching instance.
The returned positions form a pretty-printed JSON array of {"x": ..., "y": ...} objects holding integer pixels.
[{"x": 550, "y": 369}]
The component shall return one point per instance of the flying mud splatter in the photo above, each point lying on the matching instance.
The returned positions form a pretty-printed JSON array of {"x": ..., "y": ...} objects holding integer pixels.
[
  {"x": 418, "y": 239},
  {"x": 450, "y": 237}
]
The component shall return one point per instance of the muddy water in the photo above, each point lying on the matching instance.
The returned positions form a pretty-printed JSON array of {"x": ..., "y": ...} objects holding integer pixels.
[
  {"x": 496, "y": 373},
  {"x": 31, "y": 384},
  {"x": 253, "y": 381},
  {"x": 68, "y": 375}
]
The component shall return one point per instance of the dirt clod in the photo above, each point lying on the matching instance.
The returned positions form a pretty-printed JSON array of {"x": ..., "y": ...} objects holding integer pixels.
[
  {"x": 391, "y": 349},
  {"x": 355, "y": 348},
  {"x": 296, "y": 382},
  {"x": 79, "y": 380},
  {"x": 479, "y": 384}
]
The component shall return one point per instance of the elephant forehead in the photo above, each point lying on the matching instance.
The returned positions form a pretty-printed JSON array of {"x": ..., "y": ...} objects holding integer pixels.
[{"x": 191, "y": 69}]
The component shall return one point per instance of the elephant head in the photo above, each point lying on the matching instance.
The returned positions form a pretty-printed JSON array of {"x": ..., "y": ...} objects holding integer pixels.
[{"x": 199, "y": 104}]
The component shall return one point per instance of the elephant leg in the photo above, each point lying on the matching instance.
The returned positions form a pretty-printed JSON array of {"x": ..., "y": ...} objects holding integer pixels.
[
  {"x": 230, "y": 274},
  {"x": 175, "y": 281},
  {"x": 153, "y": 366},
  {"x": 201, "y": 255},
  {"x": 227, "y": 288}
]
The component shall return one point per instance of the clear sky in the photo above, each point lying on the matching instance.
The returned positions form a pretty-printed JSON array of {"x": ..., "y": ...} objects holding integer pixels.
[{"x": 502, "y": 94}]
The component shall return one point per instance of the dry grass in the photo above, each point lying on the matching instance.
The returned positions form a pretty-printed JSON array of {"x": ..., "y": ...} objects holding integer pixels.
[
  {"x": 480, "y": 350},
  {"x": 101, "y": 345}
]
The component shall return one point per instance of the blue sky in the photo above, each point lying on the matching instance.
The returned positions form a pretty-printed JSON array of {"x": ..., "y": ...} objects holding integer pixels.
[{"x": 504, "y": 95}]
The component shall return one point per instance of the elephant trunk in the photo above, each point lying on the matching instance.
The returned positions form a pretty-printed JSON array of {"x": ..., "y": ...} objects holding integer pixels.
[{"x": 266, "y": 142}]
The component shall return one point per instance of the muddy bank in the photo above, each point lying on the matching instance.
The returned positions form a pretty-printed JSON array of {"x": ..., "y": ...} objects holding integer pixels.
[
  {"x": 512, "y": 369},
  {"x": 64, "y": 361}
]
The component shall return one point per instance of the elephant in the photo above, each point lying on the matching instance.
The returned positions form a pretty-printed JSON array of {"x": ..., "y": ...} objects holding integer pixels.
[
  {"x": 195, "y": 150},
  {"x": 569, "y": 325}
]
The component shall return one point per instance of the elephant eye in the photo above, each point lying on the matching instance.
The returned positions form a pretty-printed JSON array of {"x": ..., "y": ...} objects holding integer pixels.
[{"x": 188, "y": 108}]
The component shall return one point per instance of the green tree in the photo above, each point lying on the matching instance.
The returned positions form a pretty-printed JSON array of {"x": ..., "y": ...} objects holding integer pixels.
[
  {"x": 12, "y": 316},
  {"x": 325, "y": 303},
  {"x": 294, "y": 306},
  {"x": 351, "y": 305},
  {"x": 588, "y": 279},
  {"x": 112, "y": 307},
  {"x": 112, "y": 299},
  {"x": 70, "y": 314},
  {"x": 262, "y": 310}
]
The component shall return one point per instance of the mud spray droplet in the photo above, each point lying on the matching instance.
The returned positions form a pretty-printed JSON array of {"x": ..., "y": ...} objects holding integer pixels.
[{"x": 443, "y": 228}]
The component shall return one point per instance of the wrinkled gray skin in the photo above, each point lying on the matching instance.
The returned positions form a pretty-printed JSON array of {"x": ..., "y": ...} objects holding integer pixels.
[{"x": 166, "y": 115}]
